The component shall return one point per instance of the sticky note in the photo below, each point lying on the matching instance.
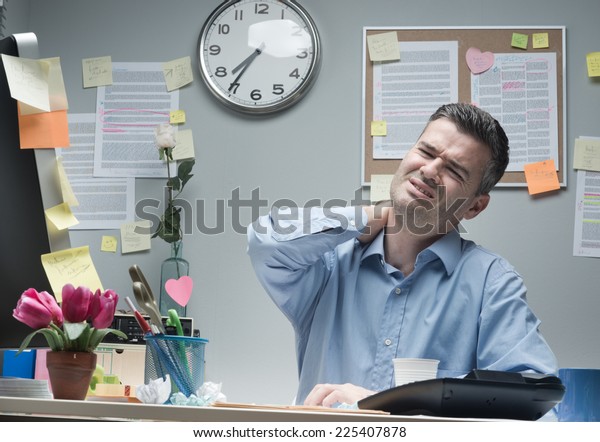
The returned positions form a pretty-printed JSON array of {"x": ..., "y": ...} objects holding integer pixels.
[
  {"x": 519, "y": 40},
  {"x": 540, "y": 40},
  {"x": 593, "y": 64},
  {"x": 97, "y": 71},
  {"x": 72, "y": 266},
  {"x": 178, "y": 73},
  {"x": 380, "y": 187},
  {"x": 378, "y": 128},
  {"x": 44, "y": 130},
  {"x": 65, "y": 186},
  {"x": 185, "y": 145},
  {"x": 383, "y": 47},
  {"x": 541, "y": 177},
  {"x": 61, "y": 216},
  {"x": 177, "y": 117},
  {"x": 109, "y": 243},
  {"x": 586, "y": 155},
  {"x": 479, "y": 62},
  {"x": 135, "y": 237}
]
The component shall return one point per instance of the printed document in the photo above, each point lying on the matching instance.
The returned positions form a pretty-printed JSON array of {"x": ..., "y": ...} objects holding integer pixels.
[{"x": 586, "y": 241}]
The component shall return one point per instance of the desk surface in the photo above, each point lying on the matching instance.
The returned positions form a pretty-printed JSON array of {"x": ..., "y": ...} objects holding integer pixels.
[{"x": 124, "y": 411}]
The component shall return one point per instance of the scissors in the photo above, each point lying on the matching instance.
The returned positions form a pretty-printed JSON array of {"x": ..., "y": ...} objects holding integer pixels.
[{"x": 145, "y": 297}]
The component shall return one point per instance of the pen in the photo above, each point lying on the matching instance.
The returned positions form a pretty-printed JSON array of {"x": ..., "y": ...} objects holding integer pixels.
[{"x": 139, "y": 318}]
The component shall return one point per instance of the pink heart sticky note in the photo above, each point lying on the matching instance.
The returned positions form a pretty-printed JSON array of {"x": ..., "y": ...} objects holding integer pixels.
[
  {"x": 478, "y": 61},
  {"x": 180, "y": 289}
]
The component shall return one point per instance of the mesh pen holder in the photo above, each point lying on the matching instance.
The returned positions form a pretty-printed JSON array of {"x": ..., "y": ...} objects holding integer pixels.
[{"x": 181, "y": 357}]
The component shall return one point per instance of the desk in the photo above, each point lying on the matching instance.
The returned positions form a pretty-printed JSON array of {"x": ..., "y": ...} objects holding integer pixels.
[{"x": 12, "y": 408}]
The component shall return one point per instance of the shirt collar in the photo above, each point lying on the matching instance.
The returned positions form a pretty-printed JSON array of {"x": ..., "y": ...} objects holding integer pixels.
[{"x": 447, "y": 249}]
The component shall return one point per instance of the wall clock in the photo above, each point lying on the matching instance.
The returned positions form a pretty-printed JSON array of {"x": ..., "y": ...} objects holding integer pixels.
[{"x": 259, "y": 56}]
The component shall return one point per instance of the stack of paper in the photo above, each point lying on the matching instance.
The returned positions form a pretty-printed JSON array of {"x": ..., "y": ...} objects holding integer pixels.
[{"x": 20, "y": 387}]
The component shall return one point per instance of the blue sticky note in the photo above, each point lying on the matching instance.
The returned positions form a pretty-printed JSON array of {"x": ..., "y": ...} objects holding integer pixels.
[{"x": 19, "y": 366}]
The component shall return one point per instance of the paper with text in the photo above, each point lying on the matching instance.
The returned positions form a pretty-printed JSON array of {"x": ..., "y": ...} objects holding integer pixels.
[
  {"x": 586, "y": 154},
  {"x": 178, "y": 73},
  {"x": 133, "y": 238},
  {"x": 383, "y": 47},
  {"x": 380, "y": 187},
  {"x": 541, "y": 177},
  {"x": 96, "y": 71}
]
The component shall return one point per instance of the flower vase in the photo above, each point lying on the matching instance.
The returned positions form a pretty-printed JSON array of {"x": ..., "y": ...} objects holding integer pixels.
[
  {"x": 173, "y": 267},
  {"x": 70, "y": 373}
]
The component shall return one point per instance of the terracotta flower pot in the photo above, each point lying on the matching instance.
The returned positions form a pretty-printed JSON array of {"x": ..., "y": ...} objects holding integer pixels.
[{"x": 70, "y": 373}]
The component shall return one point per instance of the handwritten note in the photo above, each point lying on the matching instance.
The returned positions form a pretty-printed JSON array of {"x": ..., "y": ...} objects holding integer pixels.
[
  {"x": 383, "y": 47},
  {"x": 378, "y": 128},
  {"x": 135, "y": 237},
  {"x": 587, "y": 154},
  {"x": 541, "y": 177},
  {"x": 72, "y": 266},
  {"x": 380, "y": 187},
  {"x": 185, "y": 145},
  {"x": 178, "y": 73},
  {"x": 61, "y": 216},
  {"x": 97, "y": 71},
  {"x": 177, "y": 117},
  {"x": 540, "y": 40},
  {"x": 593, "y": 64},
  {"x": 109, "y": 243},
  {"x": 519, "y": 40}
]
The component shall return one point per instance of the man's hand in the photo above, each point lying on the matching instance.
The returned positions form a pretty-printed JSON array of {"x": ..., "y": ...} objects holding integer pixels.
[
  {"x": 377, "y": 219},
  {"x": 329, "y": 394}
]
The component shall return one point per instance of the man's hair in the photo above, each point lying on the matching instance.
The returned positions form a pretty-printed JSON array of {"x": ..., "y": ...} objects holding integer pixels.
[{"x": 479, "y": 124}]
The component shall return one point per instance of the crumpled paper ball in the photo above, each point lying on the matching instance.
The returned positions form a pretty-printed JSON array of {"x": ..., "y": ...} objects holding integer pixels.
[
  {"x": 156, "y": 391},
  {"x": 207, "y": 394}
]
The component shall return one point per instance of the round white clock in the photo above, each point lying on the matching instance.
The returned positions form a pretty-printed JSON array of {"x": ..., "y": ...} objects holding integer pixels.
[{"x": 259, "y": 56}]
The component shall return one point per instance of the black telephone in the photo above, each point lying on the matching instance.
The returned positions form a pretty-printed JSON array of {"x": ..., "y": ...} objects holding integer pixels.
[{"x": 480, "y": 394}]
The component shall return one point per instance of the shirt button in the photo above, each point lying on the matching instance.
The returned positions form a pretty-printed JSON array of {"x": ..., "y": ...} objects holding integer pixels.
[
  {"x": 398, "y": 290},
  {"x": 388, "y": 342}
]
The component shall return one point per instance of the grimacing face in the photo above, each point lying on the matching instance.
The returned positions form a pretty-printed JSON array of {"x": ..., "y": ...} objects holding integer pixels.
[{"x": 436, "y": 182}]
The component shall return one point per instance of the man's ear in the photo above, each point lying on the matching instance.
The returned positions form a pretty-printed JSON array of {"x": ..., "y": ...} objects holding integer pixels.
[{"x": 477, "y": 206}]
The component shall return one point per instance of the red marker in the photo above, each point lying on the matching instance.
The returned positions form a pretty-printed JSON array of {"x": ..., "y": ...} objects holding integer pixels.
[{"x": 139, "y": 318}]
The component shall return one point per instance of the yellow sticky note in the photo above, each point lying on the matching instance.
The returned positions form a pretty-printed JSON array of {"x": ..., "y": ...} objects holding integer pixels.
[
  {"x": 65, "y": 186},
  {"x": 185, "y": 145},
  {"x": 177, "y": 117},
  {"x": 540, "y": 40},
  {"x": 97, "y": 71},
  {"x": 586, "y": 155},
  {"x": 71, "y": 266},
  {"x": 593, "y": 64},
  {"x": 378, "y": 128},
  {"x": 61, "y": 216},
  {"x": 383, "y": 47},
  {"x": 541, "y": 177},
  {"x": 178, "y": 73},
  {"x": 519, "y": 40},
  {"x": 109, "y": 243},
  {"x": 135, "y": 237},
  {"x": 380, "y": 187}
]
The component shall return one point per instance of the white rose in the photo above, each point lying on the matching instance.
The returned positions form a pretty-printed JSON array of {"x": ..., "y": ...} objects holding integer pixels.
[{"x": 165, "y": 136}]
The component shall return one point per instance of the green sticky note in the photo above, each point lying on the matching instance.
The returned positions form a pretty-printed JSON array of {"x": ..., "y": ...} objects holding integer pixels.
[{"x": 519, "y": 40}]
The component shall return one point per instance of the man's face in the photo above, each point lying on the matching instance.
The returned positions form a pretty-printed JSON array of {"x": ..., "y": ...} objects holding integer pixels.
[{"x": 435, "y": 185}]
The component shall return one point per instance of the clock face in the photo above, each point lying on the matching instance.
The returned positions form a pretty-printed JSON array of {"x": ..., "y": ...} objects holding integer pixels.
[{"x": 259, "y": 56}]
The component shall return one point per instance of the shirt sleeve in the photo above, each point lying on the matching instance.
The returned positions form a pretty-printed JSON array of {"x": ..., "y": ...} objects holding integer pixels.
[{"x": 292, "y": 251}]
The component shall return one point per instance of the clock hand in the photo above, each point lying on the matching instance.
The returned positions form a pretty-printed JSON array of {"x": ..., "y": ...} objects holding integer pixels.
[{"x": 244, "y": 65}]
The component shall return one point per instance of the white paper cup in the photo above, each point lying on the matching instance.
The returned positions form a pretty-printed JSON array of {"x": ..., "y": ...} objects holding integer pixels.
[{"x": 408, "y": 370}]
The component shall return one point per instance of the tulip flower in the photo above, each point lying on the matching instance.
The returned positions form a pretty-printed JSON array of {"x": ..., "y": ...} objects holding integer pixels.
[
  {"x": 76, "y": 303},
  {"x": 38, "y": 310},
  {"x": 103, "y": 307}
]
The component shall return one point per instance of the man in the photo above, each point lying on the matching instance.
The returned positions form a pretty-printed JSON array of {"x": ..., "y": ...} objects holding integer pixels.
[{"x": 362, "y": 287}]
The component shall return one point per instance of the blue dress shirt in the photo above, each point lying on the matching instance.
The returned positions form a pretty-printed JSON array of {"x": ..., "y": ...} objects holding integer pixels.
[{"x": 353, "y": 313}]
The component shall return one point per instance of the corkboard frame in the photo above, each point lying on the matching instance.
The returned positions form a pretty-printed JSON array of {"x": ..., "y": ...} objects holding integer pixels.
[{"x": 494, "y": 39}]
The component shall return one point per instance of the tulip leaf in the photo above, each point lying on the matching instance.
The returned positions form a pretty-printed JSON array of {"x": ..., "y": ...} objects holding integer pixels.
[
  {"x": 54, "y": 340},
  {"x": 74, "y": 329},
  {"x": 99, "y": 334}
]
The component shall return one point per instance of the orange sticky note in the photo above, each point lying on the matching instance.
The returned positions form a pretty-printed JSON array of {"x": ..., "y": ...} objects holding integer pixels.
[
  {"x": 541, "y": 177},
  {"x": 44, "y": 130}
]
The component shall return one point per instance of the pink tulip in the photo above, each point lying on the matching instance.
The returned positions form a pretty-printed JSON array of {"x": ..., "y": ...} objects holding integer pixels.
[
  {"x": 103, "y": 307},
  {"x": 38, "y": 310},
  {"x": 76, "y": 303}
]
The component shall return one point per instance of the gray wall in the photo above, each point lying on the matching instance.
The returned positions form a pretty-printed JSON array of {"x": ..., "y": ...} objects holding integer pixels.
[{"x": 313, "y": 151}]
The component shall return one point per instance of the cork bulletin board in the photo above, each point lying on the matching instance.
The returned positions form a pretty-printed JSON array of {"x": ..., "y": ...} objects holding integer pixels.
[{"x": 497, "y": 40}]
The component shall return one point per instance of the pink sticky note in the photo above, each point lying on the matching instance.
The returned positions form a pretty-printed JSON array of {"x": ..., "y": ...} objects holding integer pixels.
[
  {"x": 180, "y": 289},
  {"x": 478, "y": 61}
]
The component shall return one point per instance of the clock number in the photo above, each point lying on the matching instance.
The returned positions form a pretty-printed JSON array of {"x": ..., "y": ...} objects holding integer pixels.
[
  {"x": 303, "y": 54},
  {"x": 233, "y": 87},
  {"x": 239, "y": 14},
  {"x": 221, "y": 71},
  {"x": 223, "y": 28},
  {"x": 261, "y": 8},
  {"x": 295, "y": 73},
  {"x": 214, "y": 50},
  {"x": 278, "y": 89},
  {"x": 255, "y": 95},
  {"x": 297, "y": 32}
]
